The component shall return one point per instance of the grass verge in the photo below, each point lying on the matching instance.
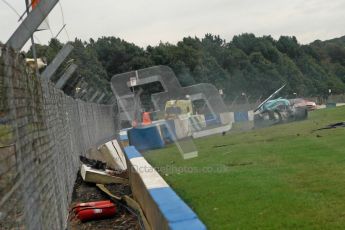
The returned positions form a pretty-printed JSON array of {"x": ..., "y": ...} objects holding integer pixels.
[{"x": 281, "y": 177}]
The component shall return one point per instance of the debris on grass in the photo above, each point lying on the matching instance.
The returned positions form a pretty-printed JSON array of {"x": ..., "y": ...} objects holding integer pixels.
[
  {"x": 332, "y": 126},
  {"x": 238, "y": 164},
  {"x": 221, "y": 146}
]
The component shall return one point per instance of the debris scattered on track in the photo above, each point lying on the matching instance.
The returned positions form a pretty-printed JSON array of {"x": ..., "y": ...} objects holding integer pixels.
[
  {"x": 87, "y": 192},
  {"x": 96, "y": 164}
]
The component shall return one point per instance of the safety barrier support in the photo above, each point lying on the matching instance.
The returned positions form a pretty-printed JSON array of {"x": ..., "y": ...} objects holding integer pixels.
[{"x": 163, "y": 208}]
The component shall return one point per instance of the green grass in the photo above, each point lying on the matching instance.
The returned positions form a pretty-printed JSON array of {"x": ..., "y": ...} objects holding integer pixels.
[
  {"x": 6, "y": 135},
  {"x": 281, "y": 177}
]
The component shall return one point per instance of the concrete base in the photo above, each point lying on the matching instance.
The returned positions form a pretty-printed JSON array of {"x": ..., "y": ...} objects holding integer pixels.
[{"x": 213, "y": 131}]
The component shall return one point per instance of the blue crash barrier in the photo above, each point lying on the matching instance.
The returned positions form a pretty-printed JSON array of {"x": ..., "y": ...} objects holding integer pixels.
[
  {"x": 173, "y": 212},
  {"x": 168, "y": 130},
  {"x": 241, "y": 116},
  {"x": 145, "y": 138},
  {"x": 212, "y": 120}
]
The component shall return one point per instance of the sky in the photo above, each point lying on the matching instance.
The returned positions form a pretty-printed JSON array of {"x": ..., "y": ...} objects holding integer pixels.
[{"x": 148, "y": 22}]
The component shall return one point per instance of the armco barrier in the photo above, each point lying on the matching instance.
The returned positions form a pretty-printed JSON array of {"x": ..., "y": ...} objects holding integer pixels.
[{"x": 163, "y": 208}]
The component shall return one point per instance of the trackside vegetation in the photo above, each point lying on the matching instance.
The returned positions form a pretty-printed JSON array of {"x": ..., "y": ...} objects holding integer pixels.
[{"x": 254, "y": 65}]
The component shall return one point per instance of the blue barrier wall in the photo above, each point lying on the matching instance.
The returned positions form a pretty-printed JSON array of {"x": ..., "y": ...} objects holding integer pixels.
[
  {"x": 145, "y": 138},
  {"x": 171, "y": 212},
  {"x": 210, "y": 119},
  {"x": 241, "y": 116},
  {"x": 168, "y": 130}
]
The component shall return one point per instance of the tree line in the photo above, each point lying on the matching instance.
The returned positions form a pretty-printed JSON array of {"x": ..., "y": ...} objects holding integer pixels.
[{"x": 256, "y": 66}]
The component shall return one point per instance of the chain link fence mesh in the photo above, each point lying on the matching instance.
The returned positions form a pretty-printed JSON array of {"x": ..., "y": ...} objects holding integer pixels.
[{"x": 42, "y": 134}]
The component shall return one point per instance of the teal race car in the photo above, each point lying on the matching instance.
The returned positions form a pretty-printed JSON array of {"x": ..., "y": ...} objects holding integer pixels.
[{"x": 276, "y": 111}]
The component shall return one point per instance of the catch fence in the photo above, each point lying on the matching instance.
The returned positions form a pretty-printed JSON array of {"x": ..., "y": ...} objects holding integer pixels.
[{"x": 42, "y": 133}]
